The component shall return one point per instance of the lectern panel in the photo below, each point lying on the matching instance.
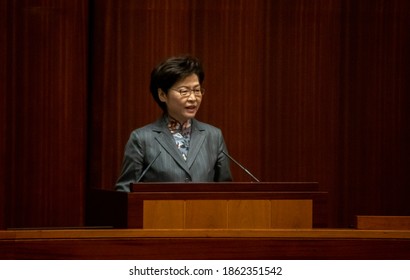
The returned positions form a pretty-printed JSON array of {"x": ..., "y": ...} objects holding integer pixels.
[
  {"x": 292, "y": 214},
  {"x": 210, "y": 206},
  {"x": 227, "y": 214},
  {"x": 164, "y": 214},
  {"x": 206, "y": 214},
  {"x": 255, "y": 214}
]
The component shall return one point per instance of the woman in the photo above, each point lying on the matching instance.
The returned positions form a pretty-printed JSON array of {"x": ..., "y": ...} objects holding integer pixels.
[{"x": 177, "y": 147}]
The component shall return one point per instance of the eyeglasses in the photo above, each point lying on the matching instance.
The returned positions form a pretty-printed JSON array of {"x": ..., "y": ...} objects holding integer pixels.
[{"x": 185, "y": 92}]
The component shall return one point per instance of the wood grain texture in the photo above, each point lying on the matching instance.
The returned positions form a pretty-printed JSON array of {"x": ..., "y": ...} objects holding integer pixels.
[
  {"x": 375, "y": 116},
  {"x": 100, "y": 233},
  {"x": 383, "y": 222},
  {"x": 199, "y": 244},
  {"x": 227, "y": 214},
  {"x": 3, "y": 112},
  {"x": 292, "y": 213},
  {"x": 302, "y": 90},
  {"x": 255, "y": 214},
  {"x": 46, "y": 112},
  {"x": 164, "y": 214},
  {"x": 204, "y": 214}
]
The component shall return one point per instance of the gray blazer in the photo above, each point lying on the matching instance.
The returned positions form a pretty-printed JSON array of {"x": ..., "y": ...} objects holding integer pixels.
[{"x": 205, "y": 163}]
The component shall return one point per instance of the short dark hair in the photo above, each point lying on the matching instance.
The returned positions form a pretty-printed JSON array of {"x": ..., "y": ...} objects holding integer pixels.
[{"x": 172, "y": 70}]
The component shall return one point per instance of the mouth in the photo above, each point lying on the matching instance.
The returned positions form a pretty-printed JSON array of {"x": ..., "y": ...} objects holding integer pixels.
[{"x": 191, "y": 107}]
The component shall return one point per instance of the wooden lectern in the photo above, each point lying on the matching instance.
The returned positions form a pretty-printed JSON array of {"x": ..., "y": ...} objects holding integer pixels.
[{"x": 209, "y": 206}]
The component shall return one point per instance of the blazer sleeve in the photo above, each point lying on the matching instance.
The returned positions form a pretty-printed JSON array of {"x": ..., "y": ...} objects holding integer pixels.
[
  {"x": 132, "y": 164},
  {"x": 222, "y": 167}
]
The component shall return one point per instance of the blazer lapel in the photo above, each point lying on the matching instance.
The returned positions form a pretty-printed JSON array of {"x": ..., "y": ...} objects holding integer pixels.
[
  {"x": 197, "y": 139},
  {"x": 166, "y": 140}
]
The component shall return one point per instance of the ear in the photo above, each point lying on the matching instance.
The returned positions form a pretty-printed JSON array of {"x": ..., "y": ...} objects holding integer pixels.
[{"x": 162, "y": 96}]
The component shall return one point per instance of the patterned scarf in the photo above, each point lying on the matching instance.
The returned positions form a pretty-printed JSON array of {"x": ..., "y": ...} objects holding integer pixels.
[{"x": 182, "y": 135}]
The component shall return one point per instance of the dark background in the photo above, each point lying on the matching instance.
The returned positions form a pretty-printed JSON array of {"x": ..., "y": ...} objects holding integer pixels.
[{"x": 303, "y": 91}]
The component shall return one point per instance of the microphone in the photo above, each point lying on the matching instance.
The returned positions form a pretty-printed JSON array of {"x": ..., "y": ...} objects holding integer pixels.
[
  {"x": 240, "y": 165},
  {"x": 148, "y": 167}
]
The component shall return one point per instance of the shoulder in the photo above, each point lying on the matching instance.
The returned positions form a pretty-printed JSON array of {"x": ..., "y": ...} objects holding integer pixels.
[
  {"x": 147, "y": 130},
  {"x": 206, "y": 127}
]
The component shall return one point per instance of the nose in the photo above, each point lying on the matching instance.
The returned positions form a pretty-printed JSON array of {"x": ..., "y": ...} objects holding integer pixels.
[{"x": 191, "y": 95}]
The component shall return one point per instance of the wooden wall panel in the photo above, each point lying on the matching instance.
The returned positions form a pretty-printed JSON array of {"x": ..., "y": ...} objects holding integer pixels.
[
  {"x": 3, "y": 106},
  {"x": 46, "y": 112},
  {"x": 375, "y": 88}
]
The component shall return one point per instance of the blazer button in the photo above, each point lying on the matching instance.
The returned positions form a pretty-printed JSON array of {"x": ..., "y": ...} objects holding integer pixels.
[{"x": 187, "y": 180}]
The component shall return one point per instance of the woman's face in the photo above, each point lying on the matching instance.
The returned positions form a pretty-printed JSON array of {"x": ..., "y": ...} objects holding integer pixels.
[{"x": 182, "y": 108}]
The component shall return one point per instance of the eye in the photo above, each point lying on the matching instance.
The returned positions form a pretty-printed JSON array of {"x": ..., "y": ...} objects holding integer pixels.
[
  {"x": 184, "y": 91},
  {"x": 197, "y": 91}
]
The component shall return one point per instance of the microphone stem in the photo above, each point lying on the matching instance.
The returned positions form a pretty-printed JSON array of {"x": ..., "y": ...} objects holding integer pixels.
[{"x": 240, "y": 165}]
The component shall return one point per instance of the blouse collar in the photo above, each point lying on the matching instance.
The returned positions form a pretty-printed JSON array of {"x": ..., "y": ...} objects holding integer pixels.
[{"x": 174, "y": 126}]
